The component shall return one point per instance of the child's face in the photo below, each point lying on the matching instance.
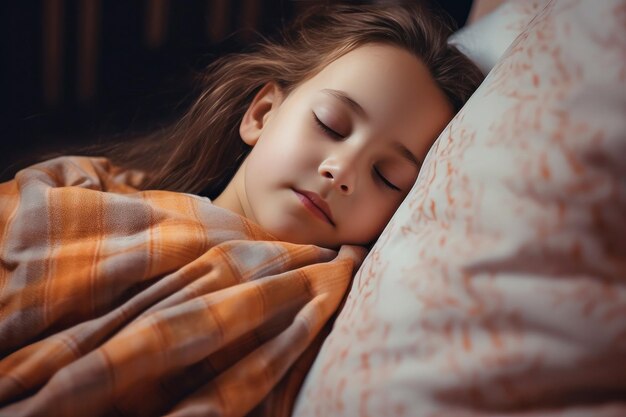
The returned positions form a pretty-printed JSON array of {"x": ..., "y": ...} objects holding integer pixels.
[{"x": 334, "y": 159}]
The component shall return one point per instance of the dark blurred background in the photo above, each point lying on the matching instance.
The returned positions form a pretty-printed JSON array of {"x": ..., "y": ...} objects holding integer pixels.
[{"x": 78, "y": 72}]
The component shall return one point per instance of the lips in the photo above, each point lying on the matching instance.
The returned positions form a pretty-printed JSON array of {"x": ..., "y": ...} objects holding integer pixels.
[{"x": 316, "y": 205}]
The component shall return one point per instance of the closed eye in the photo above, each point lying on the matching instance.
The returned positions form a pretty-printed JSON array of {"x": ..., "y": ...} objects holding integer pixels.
[
  {"x": 326, "y": 129},
  {"x": 385, "y": 181}
]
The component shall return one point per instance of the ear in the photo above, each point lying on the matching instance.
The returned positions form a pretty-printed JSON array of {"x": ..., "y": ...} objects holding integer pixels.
[{"x": 266, "y": 101}]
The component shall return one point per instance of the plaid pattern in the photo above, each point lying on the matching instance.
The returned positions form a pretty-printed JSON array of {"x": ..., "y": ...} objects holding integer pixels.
[{"x": 120, "y": 302}]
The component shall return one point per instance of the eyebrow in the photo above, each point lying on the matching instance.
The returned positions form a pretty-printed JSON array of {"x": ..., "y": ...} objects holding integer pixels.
[
  {"x": 406, "y": 154},
  {"x": 343, "y": 96},
  {"x": 397, "y": 146}
]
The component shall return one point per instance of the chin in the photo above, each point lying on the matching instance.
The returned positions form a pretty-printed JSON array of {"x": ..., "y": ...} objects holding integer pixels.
[{"x": 292, "y": 229}]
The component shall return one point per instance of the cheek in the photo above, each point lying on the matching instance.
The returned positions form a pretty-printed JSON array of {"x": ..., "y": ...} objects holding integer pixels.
[
  {"x": 285, "y": 150},
  {"x": 382, "y": 215}
]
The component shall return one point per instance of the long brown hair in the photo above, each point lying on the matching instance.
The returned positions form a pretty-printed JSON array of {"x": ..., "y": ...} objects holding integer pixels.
[{"x": 201, "y": 152}]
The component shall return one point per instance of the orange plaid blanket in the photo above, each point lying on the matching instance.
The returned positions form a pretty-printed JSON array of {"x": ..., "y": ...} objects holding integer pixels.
[{"x": 120, "y": 302}]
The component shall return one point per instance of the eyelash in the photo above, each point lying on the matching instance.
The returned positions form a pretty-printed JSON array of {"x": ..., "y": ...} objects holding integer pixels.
[
  {"x": 385, "y": 180},
  {"x": 325, "y": 128},
  {"x": 336, "y": 135}
]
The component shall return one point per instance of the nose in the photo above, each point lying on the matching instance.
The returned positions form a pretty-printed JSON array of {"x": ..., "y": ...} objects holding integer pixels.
[{"x": 341, "y": 172}]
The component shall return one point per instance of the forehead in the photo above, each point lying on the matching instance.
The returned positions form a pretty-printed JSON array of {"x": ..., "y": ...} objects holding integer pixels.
[{"x": 389, "y": 82}]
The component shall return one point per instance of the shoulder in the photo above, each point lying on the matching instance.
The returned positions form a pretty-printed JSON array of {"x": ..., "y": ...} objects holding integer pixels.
[{"x": 96, "y": 173}]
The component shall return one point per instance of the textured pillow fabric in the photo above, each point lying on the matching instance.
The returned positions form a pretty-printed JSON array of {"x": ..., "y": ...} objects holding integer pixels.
[
  {"x": 499, "y": 287},
  {"x": 485, "y": 40}
]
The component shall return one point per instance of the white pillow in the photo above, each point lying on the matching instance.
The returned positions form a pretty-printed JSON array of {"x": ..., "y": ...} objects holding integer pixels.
[
  {"x": 485, "y": 40},
  {"x": 499, "y": 287}
]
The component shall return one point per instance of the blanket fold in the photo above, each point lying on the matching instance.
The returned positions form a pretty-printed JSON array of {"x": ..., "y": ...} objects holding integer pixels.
[{"x": 115, "y": 301}]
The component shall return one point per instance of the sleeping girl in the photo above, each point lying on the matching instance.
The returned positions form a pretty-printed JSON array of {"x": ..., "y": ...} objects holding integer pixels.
[
  {"x": 318, "y": 136},
  {"x": 123, "y": 290}
]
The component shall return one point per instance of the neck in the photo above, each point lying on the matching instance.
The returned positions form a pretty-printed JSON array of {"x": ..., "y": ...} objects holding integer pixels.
[{"x": 230, "y": 198}]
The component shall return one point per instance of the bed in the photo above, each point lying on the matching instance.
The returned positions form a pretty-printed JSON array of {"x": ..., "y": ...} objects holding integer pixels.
[{"x": 497, "y": 288}]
